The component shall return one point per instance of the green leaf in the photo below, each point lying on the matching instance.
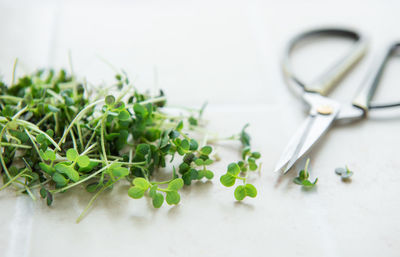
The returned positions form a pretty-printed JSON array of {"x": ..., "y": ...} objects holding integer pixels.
[
  {"x": 141, "y": 183},
  {"x": 174, "y": 134},
  {"x": 201, "y": 174},
  {"x": 253, "y": 166},
  {"x": 233, "y": 169},
  {"x": 119, "y": 106},
  {"x": 50, "y": 132},
  {"x": 185, "y": 144},
  {"x": 158, "y": 200},
  {"x": 206, "y": 150},
  {"x": 340, "y": 171},
  {"x": 244, "y": 137},
  {"x": 136, "y": 192},
  {"x": 209, "y": 174},
  {"x": 110, "y": 100},
  {"x": 307, "y": 183},
  {"x": 88, "y": 168},
  {"x": 52, "y": 108},
  {"x": 303, "y": 175},
  {"x": 256, "y": 155},
  {"x": 190, "y": 175},
  {"x": 193, "y": 145},
  {"x": 188, "y": 158},
  {"x": 59, "y": 179},
  {"x": 228, "y": 180},
  {"x": 183, "y": 168},
  {"x": 111, "y": 136},
  {"x": 192, "y": 121},
  {"x": 124, "y": 115},
  {"x": 179, "y": 127},
  {"x": 250, "y": 190},
  {"x": 41, "y": 138},
  {"x": 50, "y": 155},
  {"x": 139, "y": 110},
  {"x": 347, "y": 174},
  {"x": 153, "y": 191},
  {"x": 298, "y": 181},
  {"x": 175, "y": 184},
  {"x": 199, "y": 162},
  {"x": 72, "y": 154},
  {"x": 91, "y": 188},
  {"x": 46, "y": 168},
  {"x": 240, "y": 192},
  {"x": 83, "y": 161},
  {"x": 67, "y": 170},
  {"x": 43, "y": 192},
  {"x": 49, "y": 198},
  {"x": 172, "y": 197},
  {"x": 208, "y": 162},
  {"x": 120, "y": 172}
]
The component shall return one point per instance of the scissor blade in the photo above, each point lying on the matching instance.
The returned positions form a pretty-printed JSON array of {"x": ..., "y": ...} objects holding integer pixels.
[
  {"x": 312, "y": 129},
  {"x": 294, "y": 144}
]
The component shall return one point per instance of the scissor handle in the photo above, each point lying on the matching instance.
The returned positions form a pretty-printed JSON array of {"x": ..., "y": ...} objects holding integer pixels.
[
  {"x": 368, "y": 88},
  {"x": 332, "y": 77}
]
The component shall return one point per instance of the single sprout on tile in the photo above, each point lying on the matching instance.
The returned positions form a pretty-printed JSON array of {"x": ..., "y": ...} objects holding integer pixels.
[
  {"x": 303, "y": 180},
  {"x": 345, "y": 173}
]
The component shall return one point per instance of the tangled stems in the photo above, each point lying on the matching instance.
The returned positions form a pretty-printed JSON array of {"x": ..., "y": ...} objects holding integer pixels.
[{"x": 103, "y": 142}]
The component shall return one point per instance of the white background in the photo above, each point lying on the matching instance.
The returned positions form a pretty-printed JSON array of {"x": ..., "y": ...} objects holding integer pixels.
[{"x": 228, "y": 53}]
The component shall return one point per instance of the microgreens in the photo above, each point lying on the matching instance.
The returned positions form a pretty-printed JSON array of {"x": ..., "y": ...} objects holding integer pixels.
[
  {"x": 56, "y": 135},
  {"x": 303, "y": 180},
  {"x": 345, "y": 173}
]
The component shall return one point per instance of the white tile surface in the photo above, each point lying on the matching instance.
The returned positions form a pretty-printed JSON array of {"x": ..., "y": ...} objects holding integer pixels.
[{"x": 227, "y": 53}]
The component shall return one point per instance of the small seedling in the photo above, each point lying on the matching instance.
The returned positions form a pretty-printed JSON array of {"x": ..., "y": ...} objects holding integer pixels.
[
  {"x": 303, "y": 180},
  {"x": 344, "y": 173},
  {"x": 246, "y": 165}
]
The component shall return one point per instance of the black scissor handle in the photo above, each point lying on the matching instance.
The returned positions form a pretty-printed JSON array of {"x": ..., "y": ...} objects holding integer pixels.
[
  {"x": 368, "y": 88},
  {"x": 332, "y": 77}
]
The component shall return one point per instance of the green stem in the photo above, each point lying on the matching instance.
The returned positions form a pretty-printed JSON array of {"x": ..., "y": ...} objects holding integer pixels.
[
  {"x": 13, "y": 179},
  {"x": 11, "y": 98},
  {"x": 14, "y": 71},
  {"x": 82, "y": 180},
  {"x": 93, "y": 135},
  {"x": 16, "y": 145},
  {"x": 161, "y": 183},
  {"x": 92, "y": 201},
  {"x": 102, "y": 132},
  {"x": 80, "y": 135},
  {"x": 44, "y": 119},
  {"x": 3, "y": 163},
  {"x": 36, "y": 129},
  {"x": 77, "y": 118},
  {"x": 30, "y": 193}
]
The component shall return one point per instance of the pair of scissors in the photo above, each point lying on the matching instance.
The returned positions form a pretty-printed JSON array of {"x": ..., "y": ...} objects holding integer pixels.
[{"x": 324, "y": 111}]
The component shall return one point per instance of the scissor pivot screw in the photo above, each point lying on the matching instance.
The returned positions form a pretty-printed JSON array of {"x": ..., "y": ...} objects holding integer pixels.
[{"x": 325, "y": 109}]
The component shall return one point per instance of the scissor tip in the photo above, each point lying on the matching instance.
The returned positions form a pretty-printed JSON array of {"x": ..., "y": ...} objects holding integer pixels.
[{"x": 283, "y": 169}]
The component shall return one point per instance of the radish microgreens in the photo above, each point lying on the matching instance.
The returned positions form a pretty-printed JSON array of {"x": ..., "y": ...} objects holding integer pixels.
[{"x": 55, "y": 135}]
